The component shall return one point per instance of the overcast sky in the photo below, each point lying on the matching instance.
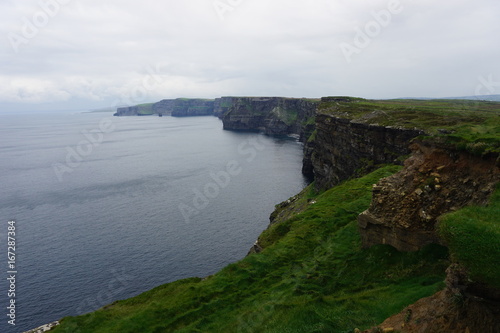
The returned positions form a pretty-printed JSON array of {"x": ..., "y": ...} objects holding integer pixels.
[{"x": 79, "y": 54}]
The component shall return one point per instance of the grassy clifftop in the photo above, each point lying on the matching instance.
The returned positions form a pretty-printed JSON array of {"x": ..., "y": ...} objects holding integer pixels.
[
  {"x": 473, "y": 124},
  {"x": 312, "y": 276}
]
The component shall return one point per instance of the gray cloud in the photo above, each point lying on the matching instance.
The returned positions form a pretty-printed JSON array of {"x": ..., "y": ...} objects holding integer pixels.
[{"x": 97, "y": 52}]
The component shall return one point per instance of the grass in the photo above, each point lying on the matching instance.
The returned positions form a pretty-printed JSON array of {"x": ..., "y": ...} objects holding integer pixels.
[
  {"x": 470, "y": 125},
  {"x": 182, "y": 99},
  {"x": 312, "y": 276},
  {"x": 145, "y": 109},
  {"x": 473, "y": 236}
]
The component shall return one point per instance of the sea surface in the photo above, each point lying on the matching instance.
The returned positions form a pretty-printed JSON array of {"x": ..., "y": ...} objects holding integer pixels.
[{"x": 108, "y": 207}]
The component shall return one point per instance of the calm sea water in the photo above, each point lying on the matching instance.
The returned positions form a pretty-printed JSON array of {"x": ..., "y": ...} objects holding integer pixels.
[{"x": 107, "y": 207}]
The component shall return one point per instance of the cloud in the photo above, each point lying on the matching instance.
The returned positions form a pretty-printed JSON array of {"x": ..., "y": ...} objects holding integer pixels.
[{"x": 105, "y": 50}]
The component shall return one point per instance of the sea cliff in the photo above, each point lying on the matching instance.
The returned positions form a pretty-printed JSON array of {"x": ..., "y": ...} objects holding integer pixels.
[
  {"x": 270, "y": 115},
  {"x": 399, "y": 228},
  {"x": 179, "y": 107}
]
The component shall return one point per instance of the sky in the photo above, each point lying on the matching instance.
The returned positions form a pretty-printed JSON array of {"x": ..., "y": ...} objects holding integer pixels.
[{"x": 87, "y": 54}]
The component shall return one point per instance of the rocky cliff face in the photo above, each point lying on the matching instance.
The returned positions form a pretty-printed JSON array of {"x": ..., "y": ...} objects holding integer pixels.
[
  {"x": 193, "y": 107},
  {"x": 222, "y": 106},
  {"x": 127, "y": 111},
  {"x": 270, "y": 115},
  {"x": 342, "y": 148},
  {"x": 436, "y": 179},
  {"x": 165, "y": 107}
]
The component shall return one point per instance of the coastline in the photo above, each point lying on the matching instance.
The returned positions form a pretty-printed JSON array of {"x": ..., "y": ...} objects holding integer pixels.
[{"x": 43, "y": 328}]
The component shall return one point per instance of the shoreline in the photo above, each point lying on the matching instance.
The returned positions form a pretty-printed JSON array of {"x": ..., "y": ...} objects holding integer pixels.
[{"x": 43, "y": 328}]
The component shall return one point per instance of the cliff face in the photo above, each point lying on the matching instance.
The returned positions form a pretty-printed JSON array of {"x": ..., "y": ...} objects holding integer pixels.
[
  {"x": 271, "y": 115},
  {"x": 180, "y": 107},
  {"x": 193, "y": 107},
  {"x": 127, "y": 111},
  {"x": 165, "y": 107},
  {"x": 222, "y": 106},
  {"x": 342, "y": 148}
]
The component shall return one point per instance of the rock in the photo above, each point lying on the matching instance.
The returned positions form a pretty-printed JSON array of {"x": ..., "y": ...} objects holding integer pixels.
[
  {"x": 408, "y": 222},
  {"x": 440, "y": 312},
  {"x": 444, "y": 131}
]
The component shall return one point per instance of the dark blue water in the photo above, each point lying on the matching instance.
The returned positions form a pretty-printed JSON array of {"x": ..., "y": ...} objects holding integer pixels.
[{"x": 107, "y": 207}]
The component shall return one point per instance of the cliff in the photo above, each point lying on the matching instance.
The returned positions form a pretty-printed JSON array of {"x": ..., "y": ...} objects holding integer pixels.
[
  {"x": 454, "y": 164},
  {"x": 222, "y": 105},
  {"x": 270, "y": 115},
  {"x": 354, "y": 135},
  {"x": 180, "y": 107},
  {"x": 363, "y": 241},
  {"x": 344, "y": 148},
  {"x": 184, "y": 107}
]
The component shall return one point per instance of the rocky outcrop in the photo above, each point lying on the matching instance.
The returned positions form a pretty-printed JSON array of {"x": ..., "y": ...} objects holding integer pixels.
[
  {"x": 343, "y": 148},
  {"x": 270, "y": 115},
  {"x": 436, "y": 179}
]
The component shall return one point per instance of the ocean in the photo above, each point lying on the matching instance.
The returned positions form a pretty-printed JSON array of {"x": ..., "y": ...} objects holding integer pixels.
[{"x": 104, "y": 208}]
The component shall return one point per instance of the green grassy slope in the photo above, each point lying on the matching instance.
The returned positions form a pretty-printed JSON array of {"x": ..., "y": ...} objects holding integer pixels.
[
  {"x": 473, "y": 236},
  {"x": 312, "y": 276}
]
